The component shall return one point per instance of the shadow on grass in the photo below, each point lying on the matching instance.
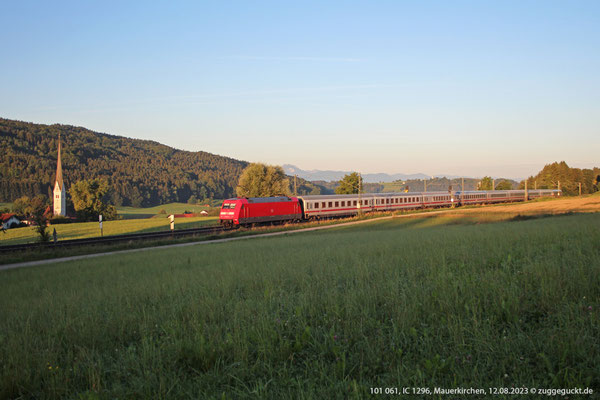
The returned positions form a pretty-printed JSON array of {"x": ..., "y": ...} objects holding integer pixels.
[
  {"x": 526, "y": 217},
  {"x": 136, "y": 216}
]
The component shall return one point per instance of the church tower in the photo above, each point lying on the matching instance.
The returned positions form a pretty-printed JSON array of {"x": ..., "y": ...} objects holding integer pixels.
[{"x": 60, "y": 194}]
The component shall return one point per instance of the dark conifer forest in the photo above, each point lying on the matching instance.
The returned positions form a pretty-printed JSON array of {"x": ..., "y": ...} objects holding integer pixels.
[{"x": 140, "y": 172}]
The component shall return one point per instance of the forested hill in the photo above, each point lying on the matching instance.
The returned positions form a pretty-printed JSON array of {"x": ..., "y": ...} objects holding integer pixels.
[
  {"x": 141, "y": 172},
  {"x": 569, "y": 178}
]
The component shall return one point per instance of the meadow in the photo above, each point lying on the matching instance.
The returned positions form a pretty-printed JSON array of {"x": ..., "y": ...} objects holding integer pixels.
[
  {"x": 81, "y": 230},
  {"x": 170, "y": 208},
  {"x": 329, "y": 314}
]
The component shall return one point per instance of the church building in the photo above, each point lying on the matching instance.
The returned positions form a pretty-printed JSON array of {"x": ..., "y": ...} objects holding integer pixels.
[{"x": 60, "y": 193}]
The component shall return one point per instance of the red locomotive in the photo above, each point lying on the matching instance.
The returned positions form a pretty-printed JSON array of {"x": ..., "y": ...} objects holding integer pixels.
[{"x": 256, "y": 210}]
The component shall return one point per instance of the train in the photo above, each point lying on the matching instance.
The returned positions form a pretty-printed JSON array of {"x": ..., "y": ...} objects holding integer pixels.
[{"x": 249, "y": 211}]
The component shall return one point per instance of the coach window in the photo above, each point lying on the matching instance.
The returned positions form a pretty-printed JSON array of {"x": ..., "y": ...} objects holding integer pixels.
[
  {"x": 330, "y": 204},
  {"x": 354, "y": 203},
  {"x": 323, "y": 205},
  {"x": 316, "y": 205},
  {"x": 337, "y": 203}
]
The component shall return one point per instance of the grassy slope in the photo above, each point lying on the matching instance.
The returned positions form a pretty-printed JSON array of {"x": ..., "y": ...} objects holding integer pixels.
[
  {"x": 321, "y": 315},
  {"x": 91, "y": 229},
  {"x": 171, "y": 208}
]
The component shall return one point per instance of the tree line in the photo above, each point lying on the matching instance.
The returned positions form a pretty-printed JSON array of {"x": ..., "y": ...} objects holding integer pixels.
[{"x": 569, "y": 178}]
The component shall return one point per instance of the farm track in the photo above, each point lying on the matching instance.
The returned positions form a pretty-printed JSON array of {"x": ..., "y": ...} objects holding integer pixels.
[{"x": 211, "y": 230}]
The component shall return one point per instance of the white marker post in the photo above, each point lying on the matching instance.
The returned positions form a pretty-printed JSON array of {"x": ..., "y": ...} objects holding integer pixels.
[
  {"x": 172, "y": 219},
  {"x": 100, "y": 222}
]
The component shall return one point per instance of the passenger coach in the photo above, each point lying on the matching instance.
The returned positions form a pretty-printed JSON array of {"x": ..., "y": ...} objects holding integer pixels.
[{"x": 248, "y": 211}]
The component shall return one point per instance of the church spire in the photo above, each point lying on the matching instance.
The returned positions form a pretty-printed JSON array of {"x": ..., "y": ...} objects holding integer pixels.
[{"x": 59, "y": 175}]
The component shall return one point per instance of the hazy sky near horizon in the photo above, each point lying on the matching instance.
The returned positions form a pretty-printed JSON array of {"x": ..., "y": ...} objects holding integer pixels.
[{"x": 457, "y": 87}]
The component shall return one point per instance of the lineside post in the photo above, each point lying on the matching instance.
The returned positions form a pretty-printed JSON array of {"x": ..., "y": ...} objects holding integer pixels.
[
  {"x": 580, "y": 188},
  {"x": 359, "y": 194},
  {"x": 526, "y": 193}
]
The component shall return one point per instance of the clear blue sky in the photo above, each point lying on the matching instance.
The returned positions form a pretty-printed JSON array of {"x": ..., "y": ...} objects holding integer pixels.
[{"x": 472, "y": 88}]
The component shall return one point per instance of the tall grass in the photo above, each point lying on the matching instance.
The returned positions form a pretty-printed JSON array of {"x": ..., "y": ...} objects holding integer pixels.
[{"x": 320, "y": 315}]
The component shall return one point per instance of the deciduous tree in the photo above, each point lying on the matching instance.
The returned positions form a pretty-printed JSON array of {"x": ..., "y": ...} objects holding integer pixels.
[
  {"x": 88, "y": 200},
  {"x": 349, "y": 184},
  {"x": 260, "y": 180},
  {"x": 40, "y": 213},
  {"x": 504, "y": 185},
  {"x": 485, "y": 183}
]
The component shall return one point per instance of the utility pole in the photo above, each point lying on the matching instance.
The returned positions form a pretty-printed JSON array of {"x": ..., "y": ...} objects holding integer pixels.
[
  {"x": 493, "y": 184},
  {"x": 558, "y": 185},
  {"x": 425, "y": 183},
  {"x": 295, "y": 185},
  {"x": 359, "y": 193},
  {"x": 580, "y": 188},
  {"x": 535, "y": 185},
  {"x": 526, "y": 192}
]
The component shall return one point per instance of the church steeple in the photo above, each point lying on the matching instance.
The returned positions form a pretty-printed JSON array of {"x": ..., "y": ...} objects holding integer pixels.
[
  {"x": 60, "y": 193},
  {"x": 59, "y": 175}
]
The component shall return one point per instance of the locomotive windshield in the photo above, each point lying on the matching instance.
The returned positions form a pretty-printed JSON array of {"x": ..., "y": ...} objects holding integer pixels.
[{"x": 228, "y": 206}]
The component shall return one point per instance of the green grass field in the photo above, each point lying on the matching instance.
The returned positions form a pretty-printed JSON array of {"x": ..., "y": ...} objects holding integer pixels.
[
  {"x": 82, "y": 230},
  {"x": 171, "y": 208},
  {"x": 322, "y": 315}
]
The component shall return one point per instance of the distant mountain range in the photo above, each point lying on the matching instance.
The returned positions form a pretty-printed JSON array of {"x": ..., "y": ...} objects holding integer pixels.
[{"x": 328, "y": 176}]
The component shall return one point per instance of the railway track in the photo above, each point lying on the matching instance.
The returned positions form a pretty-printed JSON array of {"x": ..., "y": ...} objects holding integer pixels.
[{"x": 179, "y": 233}]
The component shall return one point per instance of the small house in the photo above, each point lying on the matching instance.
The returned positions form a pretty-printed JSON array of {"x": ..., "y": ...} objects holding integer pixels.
[{"x": 9, "y": 221}]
